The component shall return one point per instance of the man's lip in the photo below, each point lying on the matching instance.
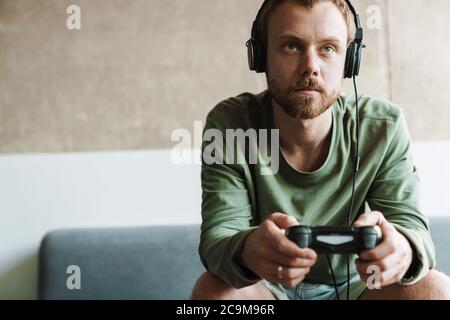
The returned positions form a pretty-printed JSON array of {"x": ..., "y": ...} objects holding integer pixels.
[{"x": 308, "y": 89}]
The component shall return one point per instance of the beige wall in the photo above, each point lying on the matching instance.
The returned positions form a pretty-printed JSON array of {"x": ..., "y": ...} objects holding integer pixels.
[{"x": 139, "y": 69}]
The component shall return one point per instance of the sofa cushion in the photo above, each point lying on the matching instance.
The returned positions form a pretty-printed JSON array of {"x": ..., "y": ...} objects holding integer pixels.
[
  {"x": 440, "y": 232},
  {"x": 121, "y": 263}
]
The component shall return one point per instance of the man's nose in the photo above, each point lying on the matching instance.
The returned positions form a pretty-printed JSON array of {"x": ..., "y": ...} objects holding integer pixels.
[{"x": 310, "y": 63}]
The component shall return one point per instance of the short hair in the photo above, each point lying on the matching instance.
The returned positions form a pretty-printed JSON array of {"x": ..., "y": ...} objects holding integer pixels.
[{"x": 261, "y": 23}]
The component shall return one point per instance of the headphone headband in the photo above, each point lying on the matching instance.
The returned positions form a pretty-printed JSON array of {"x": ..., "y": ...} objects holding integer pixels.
[{"x": 359, "y": 30}]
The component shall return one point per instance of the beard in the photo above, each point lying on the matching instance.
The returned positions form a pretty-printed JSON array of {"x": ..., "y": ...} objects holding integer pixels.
[{"x": 300, "y": 106}]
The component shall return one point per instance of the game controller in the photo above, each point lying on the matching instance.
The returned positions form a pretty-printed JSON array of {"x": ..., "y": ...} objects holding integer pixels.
[{"x": 341, "y": 240}]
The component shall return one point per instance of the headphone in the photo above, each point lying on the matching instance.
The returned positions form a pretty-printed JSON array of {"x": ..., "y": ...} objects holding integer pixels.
[{"x": 256, "y": 50}]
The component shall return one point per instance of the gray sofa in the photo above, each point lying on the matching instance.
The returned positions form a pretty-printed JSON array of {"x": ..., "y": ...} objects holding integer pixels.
[{"x": 144, "y": 262}]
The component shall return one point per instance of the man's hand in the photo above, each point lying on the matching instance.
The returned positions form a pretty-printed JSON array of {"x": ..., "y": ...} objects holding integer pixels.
[
  {"x": 393, "y": 256},
  {"x": 272, "y": 256}
]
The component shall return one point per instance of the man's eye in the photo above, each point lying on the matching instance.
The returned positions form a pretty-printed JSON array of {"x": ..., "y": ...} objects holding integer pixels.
[
  {"x": 291, "y": 46},
  {"x": 328, "y": 49}
]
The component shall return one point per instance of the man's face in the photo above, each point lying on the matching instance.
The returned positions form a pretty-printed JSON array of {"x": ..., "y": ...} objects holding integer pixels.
[{"x": 305, "y": 57}]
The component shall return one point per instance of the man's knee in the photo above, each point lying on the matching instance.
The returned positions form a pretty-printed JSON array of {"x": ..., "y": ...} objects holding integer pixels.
[
  {"x": 434, "y": 286},
  {"x": 210, "y": 287},
  {"x": 437, "y": 286}
]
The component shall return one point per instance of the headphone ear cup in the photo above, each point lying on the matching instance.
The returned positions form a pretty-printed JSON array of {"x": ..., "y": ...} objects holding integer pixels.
[
  {"x": 256, "y": 56},
  {"x": 349, "y": 69},
  {"x": 251, "y": 54},
  {"x": 357, "y": 62}
]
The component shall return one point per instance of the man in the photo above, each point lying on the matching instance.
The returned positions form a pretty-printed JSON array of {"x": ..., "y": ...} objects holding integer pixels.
[{"x": 245, "y": 213}]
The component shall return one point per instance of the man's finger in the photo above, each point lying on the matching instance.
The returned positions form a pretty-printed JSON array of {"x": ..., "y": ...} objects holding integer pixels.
[
  {"x": 290, "y": 262},
  {"x": 375, "y": 219},
  {"x": 386, "y": 278},
  {"x": 288, "y": 277},
  {"x": 369, "y": 219},
  {"x": 281, "y": 244},
  {"x": 381, "y": 251},
  {"x": 283, "y": 221},
  {"x": 392, "y": 275},
  {"x": 381, "y": 276},
  {"x": 384, "y": 264},
  {"x": 284, "y": 246},
  {"x": 286, "y": 273}
]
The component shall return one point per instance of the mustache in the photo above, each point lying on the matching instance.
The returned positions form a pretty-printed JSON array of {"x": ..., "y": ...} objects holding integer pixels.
[{"x": 308, "y": 83}]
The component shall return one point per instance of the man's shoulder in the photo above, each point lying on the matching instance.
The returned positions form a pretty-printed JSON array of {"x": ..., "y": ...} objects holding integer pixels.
[
  {"x": 238, "y": 111},
  {"x": 378, "y": 118},
  {"x": 372, "y": 108}
]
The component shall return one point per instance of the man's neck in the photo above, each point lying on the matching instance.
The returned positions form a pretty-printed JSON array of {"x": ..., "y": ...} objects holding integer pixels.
[{"x": 299, "y": 135}]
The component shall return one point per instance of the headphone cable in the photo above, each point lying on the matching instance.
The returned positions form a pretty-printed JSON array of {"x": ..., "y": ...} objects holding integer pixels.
[
  {"x": 334, "y": 278},
  {"x": 355, "y": 171}
]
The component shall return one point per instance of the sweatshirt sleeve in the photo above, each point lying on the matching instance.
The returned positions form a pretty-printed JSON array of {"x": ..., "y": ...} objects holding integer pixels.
[
  {"x": 226, "y": 210},
  {"x": 395, "y": 193}
]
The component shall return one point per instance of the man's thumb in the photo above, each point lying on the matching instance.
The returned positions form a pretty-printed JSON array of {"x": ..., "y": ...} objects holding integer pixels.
[{"x": 283, "y": 221}]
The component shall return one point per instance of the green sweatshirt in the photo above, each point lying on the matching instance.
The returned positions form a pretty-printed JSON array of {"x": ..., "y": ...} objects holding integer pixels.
[{"x": 237, "y": 197}]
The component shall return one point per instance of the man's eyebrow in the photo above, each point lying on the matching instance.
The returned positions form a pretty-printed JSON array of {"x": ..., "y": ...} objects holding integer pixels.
[
  {"x": 328, "y": 39},
  {"x": 331, "y": 39},
  {"x": 290, "y": 36}
]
